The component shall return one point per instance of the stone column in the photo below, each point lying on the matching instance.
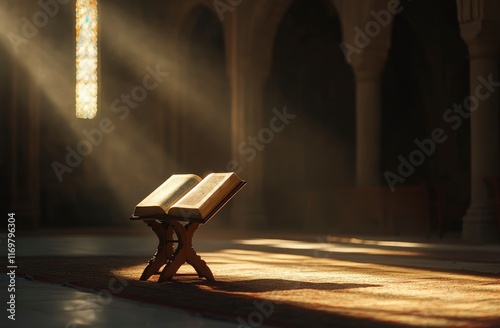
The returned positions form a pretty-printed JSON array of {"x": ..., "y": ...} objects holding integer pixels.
[
  {"x": 246, "y": 111},
  {"x": 247, "y": 85},
  {"x": 368, "y": 128},
  {"x": 479, "y": 26},
  {"x": 479, "y": 224},
  {"x": 368, "y": 71},
  {"x": 366, "y": 43}
]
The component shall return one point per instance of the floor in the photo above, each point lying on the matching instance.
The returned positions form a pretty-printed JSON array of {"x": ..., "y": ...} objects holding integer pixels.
[
  {"x": 50, "y": 305},
  {"x": 47, "y": 305}
]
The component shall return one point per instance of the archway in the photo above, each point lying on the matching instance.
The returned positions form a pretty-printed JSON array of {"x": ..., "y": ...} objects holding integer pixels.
[
  {"x": 426, "y": 74},
  {"x": 406, "y": 99},
  {"x": 314, "y": 154}
]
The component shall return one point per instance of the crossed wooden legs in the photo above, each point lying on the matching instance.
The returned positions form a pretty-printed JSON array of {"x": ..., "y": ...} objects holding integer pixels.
[
  {"x": 165, "y": 254},
  {"x": 165, "y": 248}
]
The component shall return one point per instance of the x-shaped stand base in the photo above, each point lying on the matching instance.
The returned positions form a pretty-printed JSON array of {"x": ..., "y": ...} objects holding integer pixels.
[{"x": 173, "y": 259}]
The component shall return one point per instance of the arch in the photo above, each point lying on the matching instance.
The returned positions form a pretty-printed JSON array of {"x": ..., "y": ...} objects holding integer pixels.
[
  {"x": 405, "y": 100},
  {"x": 307, "y": 73},
  {"x": 426, "y": 74},
  {"x": 180, "y": 14},
  {"x": 263, "y": 22}
]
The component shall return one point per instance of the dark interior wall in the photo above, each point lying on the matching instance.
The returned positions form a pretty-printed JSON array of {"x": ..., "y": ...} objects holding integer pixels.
[
  {"x": 310, "y": 76},
  {"x": 5, "y": 127}
]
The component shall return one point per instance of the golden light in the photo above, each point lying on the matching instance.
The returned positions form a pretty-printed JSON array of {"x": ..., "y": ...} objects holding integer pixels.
[
  {"x": 86, "y": 58},
  {"x": 381, "y": 294}
]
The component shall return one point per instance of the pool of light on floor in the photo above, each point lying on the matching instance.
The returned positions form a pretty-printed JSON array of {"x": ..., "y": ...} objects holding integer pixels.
[{"x": 323, "y": 246}]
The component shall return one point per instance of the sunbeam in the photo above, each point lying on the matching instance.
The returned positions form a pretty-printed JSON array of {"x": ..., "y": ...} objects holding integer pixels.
[
  {"x": 135, "y": 43},
  {"x": 130, "y": 163}
]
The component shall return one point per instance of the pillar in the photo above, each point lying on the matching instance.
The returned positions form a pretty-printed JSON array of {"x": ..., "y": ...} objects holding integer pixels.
[
  {"x": 247, "y": 86},
  {"x": 479, "y": 224},
  {"x": 368, "y": 128},
  {"x": 368, "y": 116},
  {"x": 366, "y": 44},
  {"x": 479, "y": 26}
]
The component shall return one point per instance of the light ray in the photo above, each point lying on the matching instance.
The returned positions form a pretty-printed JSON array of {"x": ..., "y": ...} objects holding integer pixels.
[{"x": 51, "y": 67}]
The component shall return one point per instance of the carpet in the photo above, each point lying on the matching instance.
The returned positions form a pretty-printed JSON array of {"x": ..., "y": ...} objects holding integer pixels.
[{"x": 286, "y": 290}]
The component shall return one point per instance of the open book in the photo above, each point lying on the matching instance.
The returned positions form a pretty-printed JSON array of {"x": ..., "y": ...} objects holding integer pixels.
[{"x": 187, "y": 197}]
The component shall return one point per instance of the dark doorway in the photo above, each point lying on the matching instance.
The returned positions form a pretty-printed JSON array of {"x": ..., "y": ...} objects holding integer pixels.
[{"x": 314, "y": 153}]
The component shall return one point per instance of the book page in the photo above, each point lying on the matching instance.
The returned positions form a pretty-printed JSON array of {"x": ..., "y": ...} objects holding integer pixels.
[
  {"x": 203, "y": 198},
  {"x": 163, "y": 197},
  {"x": 196, "y": 196}
]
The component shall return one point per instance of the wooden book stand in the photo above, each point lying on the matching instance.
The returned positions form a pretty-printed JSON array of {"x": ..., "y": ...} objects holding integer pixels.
[{"x": 164, "y": 226}]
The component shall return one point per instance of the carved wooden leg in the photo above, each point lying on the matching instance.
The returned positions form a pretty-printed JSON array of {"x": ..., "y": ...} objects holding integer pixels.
[
  {"x": 194, "y": 259},
  {"x": 179, "y": 256},
  {"x": 171, "y": 268},
  {"x": 185, "y": 253},
  {"x": 165, "y": 248}
]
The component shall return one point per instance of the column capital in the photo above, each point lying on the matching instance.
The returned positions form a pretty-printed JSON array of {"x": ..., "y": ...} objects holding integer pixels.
[
  {"x": 479, "y": 20},
  {"x": 370, "y": 64},
  {"x": 483, "y": 48}
]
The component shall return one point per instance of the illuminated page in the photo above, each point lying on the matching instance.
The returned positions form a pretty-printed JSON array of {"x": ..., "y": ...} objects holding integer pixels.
[
  {"x": 160, "y": 200},
  {"x": 200, "y": 201}
]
